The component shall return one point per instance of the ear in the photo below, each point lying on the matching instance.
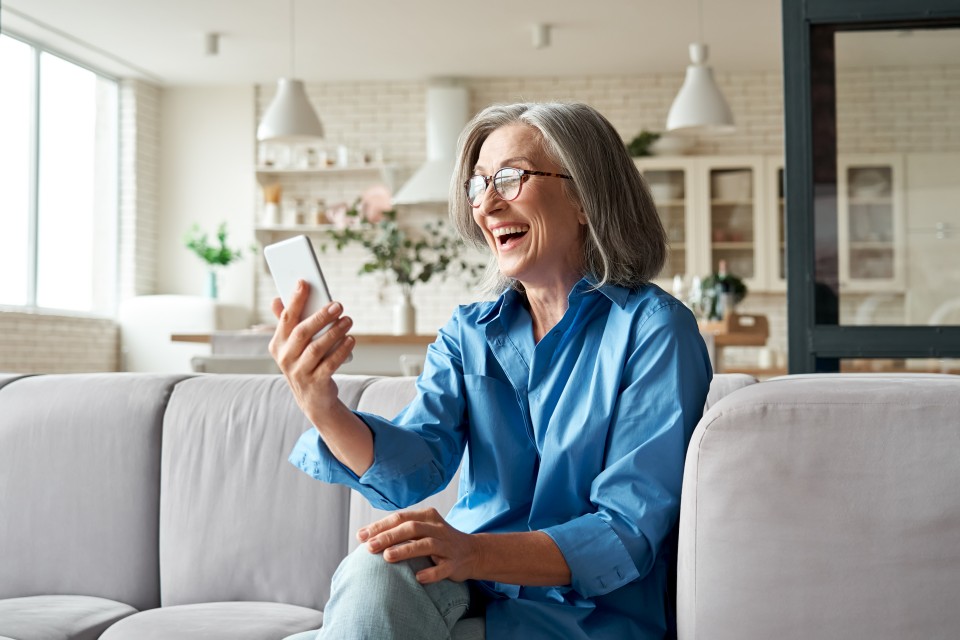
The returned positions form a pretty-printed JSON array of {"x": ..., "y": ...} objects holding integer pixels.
[{"x": 582, "y": 217}]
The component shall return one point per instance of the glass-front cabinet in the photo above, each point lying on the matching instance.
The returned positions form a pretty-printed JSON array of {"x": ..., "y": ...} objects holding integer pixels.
[
  {"x": 734, "y": 192},
  {"x": 775, "y": 215},
  {"x": 672, "y": 185},
  {"x": 711, "y": 208},
  {"x": 870, "y": 220},
  {"x": 733, "y": 208}
]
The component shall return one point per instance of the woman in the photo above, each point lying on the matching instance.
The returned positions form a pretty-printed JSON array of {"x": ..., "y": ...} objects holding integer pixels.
[{"x": 570, "y": 398}]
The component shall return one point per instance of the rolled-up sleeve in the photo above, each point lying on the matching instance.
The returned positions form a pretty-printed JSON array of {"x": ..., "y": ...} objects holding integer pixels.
[
  {"x": 637, "y": 495},
  {"x": 415, "y": 454}
]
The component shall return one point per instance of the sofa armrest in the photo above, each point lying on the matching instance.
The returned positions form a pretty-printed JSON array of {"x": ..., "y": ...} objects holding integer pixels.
[{"x": 824, "y": 507}]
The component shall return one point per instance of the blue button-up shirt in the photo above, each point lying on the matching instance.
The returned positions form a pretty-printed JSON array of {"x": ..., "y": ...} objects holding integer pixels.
[{"x": 581, "y": 435}]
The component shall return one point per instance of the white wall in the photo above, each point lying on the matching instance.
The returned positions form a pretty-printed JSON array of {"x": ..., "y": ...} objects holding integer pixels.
[{"x": 206, "y": 177}]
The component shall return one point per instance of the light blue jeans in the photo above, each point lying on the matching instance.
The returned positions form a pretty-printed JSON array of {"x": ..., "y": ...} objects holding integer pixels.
[{"x": 371, "y": 598}]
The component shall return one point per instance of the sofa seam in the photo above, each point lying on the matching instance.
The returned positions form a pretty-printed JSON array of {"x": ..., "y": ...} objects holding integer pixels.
[{"x": 169, "y": 390}]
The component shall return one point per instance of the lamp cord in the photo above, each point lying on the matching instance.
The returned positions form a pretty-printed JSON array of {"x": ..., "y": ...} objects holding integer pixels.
[
  {"x": 293, "y": 39},
  {"x": 700, "y": 19}
]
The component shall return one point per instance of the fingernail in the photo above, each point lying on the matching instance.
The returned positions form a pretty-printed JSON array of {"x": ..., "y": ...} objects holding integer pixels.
[
  {"x": 334, "y": 307},
  {"x": 301, "y": 284},
  {"x": 363, "y": 534},
  {"x": 373, "y": 546}
]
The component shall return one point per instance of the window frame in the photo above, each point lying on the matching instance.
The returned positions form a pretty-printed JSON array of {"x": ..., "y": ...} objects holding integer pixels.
[{"x": 37, "y": 50}]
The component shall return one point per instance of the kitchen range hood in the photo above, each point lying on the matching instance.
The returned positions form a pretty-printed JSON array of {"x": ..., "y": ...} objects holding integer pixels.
[{"x": 447, "y": 107}]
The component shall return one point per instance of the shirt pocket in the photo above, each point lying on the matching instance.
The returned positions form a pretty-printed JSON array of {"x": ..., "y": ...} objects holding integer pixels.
[{"x": 502, "y": 458}]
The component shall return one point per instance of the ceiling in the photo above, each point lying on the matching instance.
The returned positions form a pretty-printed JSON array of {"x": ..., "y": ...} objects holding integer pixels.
[{"x": 163, "y": 40}]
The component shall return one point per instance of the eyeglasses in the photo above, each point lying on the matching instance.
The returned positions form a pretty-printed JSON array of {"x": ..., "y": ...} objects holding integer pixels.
[{"x": 507, "y": 182}]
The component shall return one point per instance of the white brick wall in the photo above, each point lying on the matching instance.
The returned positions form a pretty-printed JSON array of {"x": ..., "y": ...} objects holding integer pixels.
[
  {"x": 879, "y": 109},
  {"x": 47, "y": 343},
  {"x": 139, "y": 146}
]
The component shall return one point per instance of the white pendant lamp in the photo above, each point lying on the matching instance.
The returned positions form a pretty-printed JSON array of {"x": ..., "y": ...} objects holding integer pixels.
[
  {"x": 290, "y": 116},
  {"x": 699, "y": 105}
]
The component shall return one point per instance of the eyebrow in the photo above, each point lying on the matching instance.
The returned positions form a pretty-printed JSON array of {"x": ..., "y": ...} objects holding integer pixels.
[{"x": 507, "y": 162}]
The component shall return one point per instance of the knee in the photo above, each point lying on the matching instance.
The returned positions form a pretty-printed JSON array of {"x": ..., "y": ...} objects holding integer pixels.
[{"x": 362, "y": 569}]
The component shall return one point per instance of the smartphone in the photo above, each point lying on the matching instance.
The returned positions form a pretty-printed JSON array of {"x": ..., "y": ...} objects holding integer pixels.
[{"x": 293, "y": 260}]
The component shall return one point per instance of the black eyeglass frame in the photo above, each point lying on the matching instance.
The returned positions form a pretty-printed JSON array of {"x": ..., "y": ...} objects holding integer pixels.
[{"x": 524, "y": 176}]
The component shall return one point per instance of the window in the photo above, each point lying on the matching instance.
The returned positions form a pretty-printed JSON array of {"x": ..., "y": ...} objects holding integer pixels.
[{"x": 58, "y": 177}]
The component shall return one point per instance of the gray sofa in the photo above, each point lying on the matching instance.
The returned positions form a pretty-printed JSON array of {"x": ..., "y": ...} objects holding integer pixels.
[{"x": 156, "y": 506}]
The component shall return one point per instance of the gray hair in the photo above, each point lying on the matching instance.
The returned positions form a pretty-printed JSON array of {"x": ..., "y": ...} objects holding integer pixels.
[{"x": 625, "y": 243}]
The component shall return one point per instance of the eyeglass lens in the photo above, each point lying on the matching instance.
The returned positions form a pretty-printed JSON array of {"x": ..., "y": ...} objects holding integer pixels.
[{"x": 506, "y": 181}]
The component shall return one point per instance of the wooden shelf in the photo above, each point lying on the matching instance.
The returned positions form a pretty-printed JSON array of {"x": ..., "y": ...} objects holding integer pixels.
[
  {"x": 886, "y": 245},
  {"x": 270, "y": 175},
  {"x": 723, "y": 202},
  {"x": 296, "y": 228},
  {"x": 732, "y": 246},
  {"x": 870, "y": 200},
  {"x": 356, "y": 168}
]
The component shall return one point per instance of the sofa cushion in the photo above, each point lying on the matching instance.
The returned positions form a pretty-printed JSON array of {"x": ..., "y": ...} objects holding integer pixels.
[
  {"x": 237, "y": 521},
  {"x": 216, "y": 621},
  {"x": 824, "y": 507},
  {"x": 59, "y": 617},
  {"x": 80, "y": 485},
  {"x": 723, "y": 384}
]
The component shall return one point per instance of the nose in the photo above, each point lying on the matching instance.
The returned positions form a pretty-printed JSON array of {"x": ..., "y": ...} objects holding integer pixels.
[{"x": 490, "y": 202}]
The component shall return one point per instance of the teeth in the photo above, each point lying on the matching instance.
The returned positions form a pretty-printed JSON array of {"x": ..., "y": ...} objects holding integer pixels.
[{"x": 503, "y": 231}]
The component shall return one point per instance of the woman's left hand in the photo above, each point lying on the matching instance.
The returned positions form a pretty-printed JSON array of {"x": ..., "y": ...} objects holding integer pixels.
[{"x": 412, "y": 534}]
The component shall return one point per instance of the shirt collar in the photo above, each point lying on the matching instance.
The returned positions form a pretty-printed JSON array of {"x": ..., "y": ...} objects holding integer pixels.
[{"x": 617, "y": 294}]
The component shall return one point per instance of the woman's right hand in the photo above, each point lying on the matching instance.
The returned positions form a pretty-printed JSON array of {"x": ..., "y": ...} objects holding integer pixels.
[{"x": 307, "y": 364}]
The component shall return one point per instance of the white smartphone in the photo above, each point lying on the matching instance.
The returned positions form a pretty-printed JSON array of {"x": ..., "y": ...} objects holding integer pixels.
[{"x": 293, "y": 260}]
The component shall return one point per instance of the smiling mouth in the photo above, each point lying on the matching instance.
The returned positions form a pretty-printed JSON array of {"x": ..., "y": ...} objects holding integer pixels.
[{"x": 505, "y": 235}]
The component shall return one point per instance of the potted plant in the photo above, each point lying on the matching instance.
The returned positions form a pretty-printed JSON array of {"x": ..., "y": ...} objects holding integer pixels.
[
  {"x": 406, "y": 255},
  {"x": 642, "y": 143},
  {"x": 722, "y": 292},
  {"x": 215, "y": 255}
]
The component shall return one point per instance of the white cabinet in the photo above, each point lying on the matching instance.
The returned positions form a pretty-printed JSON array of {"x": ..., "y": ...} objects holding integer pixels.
[
  {"x": 870, "y": 218},
  {"x": 672, "y": 184},
  {"x": 733, "y": 208},
  {"x": 735, "y": 222},
  {"x": 712, "y": 208}
]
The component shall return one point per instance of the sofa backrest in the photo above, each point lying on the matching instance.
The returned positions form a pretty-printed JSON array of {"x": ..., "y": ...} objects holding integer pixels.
[
  {"x": 824, "y": 506},
  {"x": 80, "y": 485},
  {"x": 387, "y": 396},
  {"x": 237, "y": 521}
]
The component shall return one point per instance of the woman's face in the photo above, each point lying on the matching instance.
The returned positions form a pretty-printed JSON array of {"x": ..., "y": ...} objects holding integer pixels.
[{"x": 536, "y": 238}]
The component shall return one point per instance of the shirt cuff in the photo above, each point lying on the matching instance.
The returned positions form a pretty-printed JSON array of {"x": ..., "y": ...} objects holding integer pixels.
[
  {"x": 599, "y": 562},
  {"x": 401, "y": 462}
]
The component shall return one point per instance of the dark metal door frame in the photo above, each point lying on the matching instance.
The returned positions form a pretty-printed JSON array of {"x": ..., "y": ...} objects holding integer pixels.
[{"x": 816, "y": 341}]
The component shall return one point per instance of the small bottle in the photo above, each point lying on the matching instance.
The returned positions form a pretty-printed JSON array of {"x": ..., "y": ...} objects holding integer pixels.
[
  {"x": 289, "y": 211},
  {"x": 299, "y": 216},
  {"x": 696, "y": 296},
  {"x": 724, "y": 292},
  {"x": 318, "y": 212},
  {"x": 678, "y": 288}
]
